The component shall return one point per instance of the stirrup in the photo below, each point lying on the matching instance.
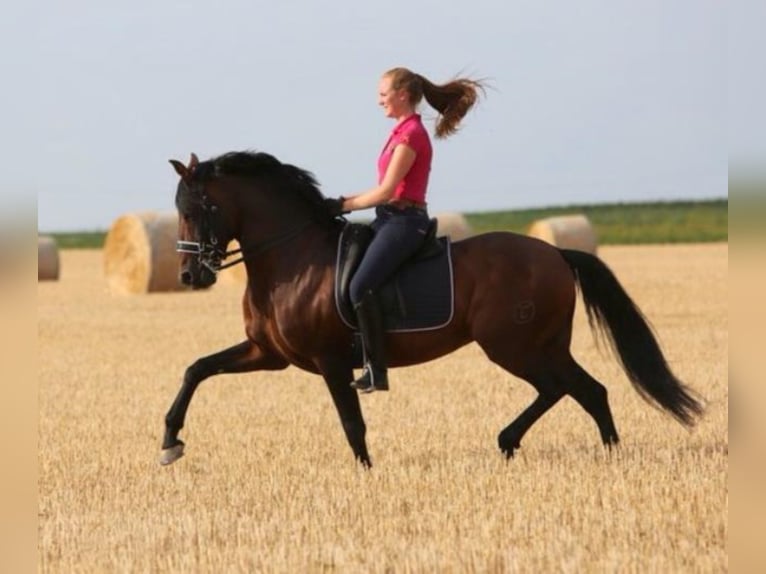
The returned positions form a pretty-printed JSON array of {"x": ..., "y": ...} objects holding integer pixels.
[
  {"x": 368, "y": 382},
  {"x": 364, "y": 383},
  {"x": 360, "y": 386}
]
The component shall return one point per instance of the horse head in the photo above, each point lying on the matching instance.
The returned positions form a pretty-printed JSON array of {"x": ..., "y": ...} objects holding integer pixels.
[
  {"x": 248, "y": 196},
  {"x": 202, "y": 232}
]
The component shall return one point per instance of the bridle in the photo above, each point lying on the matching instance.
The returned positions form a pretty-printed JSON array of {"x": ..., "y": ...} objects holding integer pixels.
[{"x": 210, "y": 254}]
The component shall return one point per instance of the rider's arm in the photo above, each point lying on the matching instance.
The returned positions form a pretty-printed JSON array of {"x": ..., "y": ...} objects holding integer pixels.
[{"x": 401, "y": 161}]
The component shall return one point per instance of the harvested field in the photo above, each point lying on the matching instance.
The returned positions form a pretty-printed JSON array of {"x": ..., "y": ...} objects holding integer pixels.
[{"x": 269, "y": 484}]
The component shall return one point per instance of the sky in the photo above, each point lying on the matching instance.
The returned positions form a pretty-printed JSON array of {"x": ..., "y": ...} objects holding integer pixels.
[{"x": 590, "y": 101}]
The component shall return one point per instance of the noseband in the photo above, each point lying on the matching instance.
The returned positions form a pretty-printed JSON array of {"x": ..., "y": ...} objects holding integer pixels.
[{"x": 208, "y": 254}]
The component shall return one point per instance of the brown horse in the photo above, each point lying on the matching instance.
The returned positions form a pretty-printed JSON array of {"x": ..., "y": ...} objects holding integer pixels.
[{"x": 514, "y": 296}]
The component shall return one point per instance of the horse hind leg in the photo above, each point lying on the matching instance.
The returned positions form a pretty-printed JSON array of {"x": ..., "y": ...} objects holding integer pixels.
[
  {"x": 509, "y": 439},
  {"x": 575, "y": 381},
  {"x": 560, "y": 376},
  {"x": 540, "y": 377},
  {"x": 592, "y": 396}
]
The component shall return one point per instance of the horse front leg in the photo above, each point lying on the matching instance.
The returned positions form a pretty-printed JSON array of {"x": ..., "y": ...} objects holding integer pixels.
[
  {"x": 241, "y": 358},
  {"x": 346, "y": 401}
]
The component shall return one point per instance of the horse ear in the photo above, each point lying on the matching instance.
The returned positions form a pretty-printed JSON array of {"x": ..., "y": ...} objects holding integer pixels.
[
  {"x": 194, "y": 161},
  {"x": 180, "y": 168}
]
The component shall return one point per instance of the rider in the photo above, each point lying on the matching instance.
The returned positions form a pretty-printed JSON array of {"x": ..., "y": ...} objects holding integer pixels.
[{"x": 399, "y": 198}]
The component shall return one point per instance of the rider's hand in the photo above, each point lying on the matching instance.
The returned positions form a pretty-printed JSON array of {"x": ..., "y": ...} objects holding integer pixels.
[{"x": 334, "y": 205}]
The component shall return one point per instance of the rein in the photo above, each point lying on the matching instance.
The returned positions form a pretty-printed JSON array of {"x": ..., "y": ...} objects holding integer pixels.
[
  {"x": 201, "y": 249},
  {"x": 265, "y": 245}
]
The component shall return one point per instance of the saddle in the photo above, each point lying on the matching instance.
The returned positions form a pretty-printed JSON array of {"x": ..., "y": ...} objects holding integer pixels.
[{"x": 420, "y": 295}]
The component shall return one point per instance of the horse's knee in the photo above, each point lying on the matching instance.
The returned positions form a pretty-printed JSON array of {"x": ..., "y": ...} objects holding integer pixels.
[{"x": 196, "y": 372}]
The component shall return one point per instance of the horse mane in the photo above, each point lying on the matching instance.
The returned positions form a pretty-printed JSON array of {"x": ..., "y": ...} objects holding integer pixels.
[{"x": 252, "y": 164}]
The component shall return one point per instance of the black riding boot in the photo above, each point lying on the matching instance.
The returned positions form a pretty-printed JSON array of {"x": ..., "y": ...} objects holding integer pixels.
[{"x": 370, "y": 320}]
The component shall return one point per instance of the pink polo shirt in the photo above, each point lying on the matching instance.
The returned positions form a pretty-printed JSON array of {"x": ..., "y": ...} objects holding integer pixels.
[{"x": 409, "y": 131}]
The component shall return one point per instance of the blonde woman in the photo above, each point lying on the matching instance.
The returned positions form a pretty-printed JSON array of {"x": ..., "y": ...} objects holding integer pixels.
[{"x": 399, "y": 197}]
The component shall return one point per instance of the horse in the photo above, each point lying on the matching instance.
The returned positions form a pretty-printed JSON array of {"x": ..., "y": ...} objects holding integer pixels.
[{"x": 513, "y": 295}]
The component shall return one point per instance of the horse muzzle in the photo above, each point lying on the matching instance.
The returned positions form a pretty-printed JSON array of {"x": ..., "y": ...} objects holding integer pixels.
[
  {"x": 199, "y": 270},
  {"x": 197, "y": 277}
]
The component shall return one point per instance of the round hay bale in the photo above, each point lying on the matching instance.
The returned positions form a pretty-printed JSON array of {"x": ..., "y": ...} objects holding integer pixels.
[
  {"x": 454, "y": 225},
  {"x": 140, "y": 254},
  {"x": 236, "y": 274},
  {"x": 566, "y": 232},
  {"x": 47, "y": 259}
]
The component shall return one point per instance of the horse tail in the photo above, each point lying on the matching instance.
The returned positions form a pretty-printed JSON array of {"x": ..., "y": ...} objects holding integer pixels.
[{"x": 611, "y": 311}]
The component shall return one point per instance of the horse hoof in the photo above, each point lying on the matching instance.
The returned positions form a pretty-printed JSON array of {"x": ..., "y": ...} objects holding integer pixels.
[{"x": 172, "y": 454}]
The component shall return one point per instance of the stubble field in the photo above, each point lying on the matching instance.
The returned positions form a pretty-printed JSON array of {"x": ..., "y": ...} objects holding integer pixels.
[{"x": 269, "y": 484}]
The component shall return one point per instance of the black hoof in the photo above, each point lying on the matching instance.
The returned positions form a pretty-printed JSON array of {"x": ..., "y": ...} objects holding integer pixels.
[
  {"x": 365, "y": 462},
  {"x": 509, "y": 453},
  {"x": 508, "y": 444},
  {"x": 612, "y": 444}
]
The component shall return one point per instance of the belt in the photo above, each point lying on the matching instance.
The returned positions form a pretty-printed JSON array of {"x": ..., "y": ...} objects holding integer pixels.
[{"x": 402, "y": 203}]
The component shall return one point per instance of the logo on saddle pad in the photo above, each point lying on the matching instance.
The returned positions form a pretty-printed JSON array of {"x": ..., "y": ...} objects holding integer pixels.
[{"x": 419, "y": 297}]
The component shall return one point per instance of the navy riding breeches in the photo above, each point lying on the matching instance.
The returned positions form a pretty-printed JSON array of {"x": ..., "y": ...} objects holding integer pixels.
[{"x": 398, "y": 234}]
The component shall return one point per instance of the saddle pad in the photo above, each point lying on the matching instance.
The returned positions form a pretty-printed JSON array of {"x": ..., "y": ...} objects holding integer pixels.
[{"x": 419, "y": 297}]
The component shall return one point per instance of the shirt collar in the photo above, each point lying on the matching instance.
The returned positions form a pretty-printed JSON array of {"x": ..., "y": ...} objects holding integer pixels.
[{"x": 411, "y": 118}]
